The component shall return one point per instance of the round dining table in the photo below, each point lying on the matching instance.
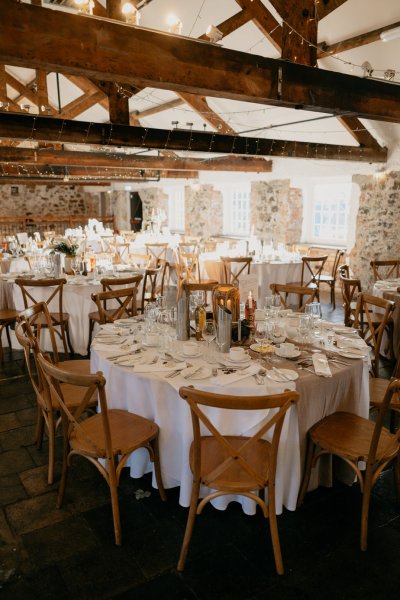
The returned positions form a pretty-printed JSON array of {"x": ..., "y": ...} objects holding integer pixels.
[{"x": 152, "y": 392}]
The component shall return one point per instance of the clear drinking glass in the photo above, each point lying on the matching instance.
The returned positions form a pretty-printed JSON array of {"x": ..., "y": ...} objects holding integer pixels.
[{"x": 261, "y": 337}]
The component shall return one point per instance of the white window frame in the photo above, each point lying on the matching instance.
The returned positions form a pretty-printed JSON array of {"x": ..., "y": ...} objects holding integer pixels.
[
  {"x": 327, "y": 192},
  {"x": 231, "y": 224},
  {"x": 176, "y": 209}
]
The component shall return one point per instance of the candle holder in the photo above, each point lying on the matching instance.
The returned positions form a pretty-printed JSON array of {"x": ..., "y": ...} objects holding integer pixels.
[{"x": 228, "y": 297}]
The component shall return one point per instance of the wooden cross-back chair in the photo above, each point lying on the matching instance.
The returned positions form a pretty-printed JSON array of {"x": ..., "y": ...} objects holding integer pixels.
[
  {"x": 153, "y": 284},
  {"x": 305, "y": 295},
  {"x": 351, "y": 288},
  {"x": 101, "y": 438},
  {"x": 47, "y": 410},
  {"x": 123, "y": 304},
  {"x": 354, "y": 439},
  {"x": 120, "y": 252},
  {"x": 109, "y": 284},
  {"x": 54, "y": 289},
  {"x": 372, "y": 324},
  {"x": 330, "y": 280},
  {"x": 311, "y": 270},
  {"x": 187, "y": 267},
  {"x": 385, "y": 269},
  {"x": 234, "y": 464},
  {"x": 377, "y": 390},
  {"x": 139, "y": 261},
  {"x": 234, "y": 267},
  {"x": 207, "y": 288},
  {"x": 157, "y": 253}
]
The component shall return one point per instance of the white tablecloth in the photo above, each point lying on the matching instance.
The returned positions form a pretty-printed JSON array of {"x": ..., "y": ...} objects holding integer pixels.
[
  {"x": 77, "y": 303},
  {"x": 14, "y": 265},
  {"x": 157, "y": 398},
  {"x": 267, "y": 273}
]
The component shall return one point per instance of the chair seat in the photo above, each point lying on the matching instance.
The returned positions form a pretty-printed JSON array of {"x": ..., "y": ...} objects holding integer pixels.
[
  {"x": 8, "y": 315},
  {"x": 312, "y": 286},
  {"x": 235, "y": 477},
  {"x": 326, "y": 279},
  {"x": 95, "y": 316},
  {"x": 377, "y": 390},
  {"x": 349, "y": 436},
  {"x": 79, "y": 367},
  {"x": 128, "y": 432},
  {"x": 73, "y": 396}
]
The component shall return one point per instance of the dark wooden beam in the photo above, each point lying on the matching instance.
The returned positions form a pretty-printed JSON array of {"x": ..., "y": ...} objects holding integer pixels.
[
  {"x": 48, "y": 129},
  {"x": 159, "y": 108},
  {"x": 107, "y": 173},
  {"x": 200, "y": 105},
  {"x": 231, "y": 24},
  {"x": 264, "y": 20},
  {"x": 104, "y": 50},
  {"x": 47, "y": 181},
  {"x": 44, "y": 156},
  {"x": 354, "y": 42}
]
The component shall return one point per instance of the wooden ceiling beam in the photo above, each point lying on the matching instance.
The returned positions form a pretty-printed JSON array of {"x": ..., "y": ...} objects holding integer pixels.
[
  {"x": 153, "y": 110},
  {"x": 230, "y": 25},
  {"x": 108, "y": 173},
  {"x": 50, "y": 182},
  {"x": 325, "y": 7},
  {"x": 200, "y": 105},
  {"x": 264, "y": 20},
  {"x": 105, "y": 49},
  {"x": 78, "y": 106},
  {"x": 45, "y": 156},
  {"x": 3, "y": 82},
  {"x": 49, "y": 129},
  {"x": 354, "y": 42}
]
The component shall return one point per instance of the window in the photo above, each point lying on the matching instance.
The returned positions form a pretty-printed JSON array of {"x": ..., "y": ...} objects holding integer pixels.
[
  {"x": 176, "y": 209},
  {"x": 237, "y": 209},
  {"x": 330, "y": 208}
]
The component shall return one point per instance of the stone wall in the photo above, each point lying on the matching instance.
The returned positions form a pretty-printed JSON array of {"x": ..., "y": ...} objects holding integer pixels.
[
  {"x": 153, "y": 199},
  {"x": 377, "y": 227},
  {"x": 47, "y": 200},
  {"x": 276, "y": 211},
  {"x": 203, "y": 211}
]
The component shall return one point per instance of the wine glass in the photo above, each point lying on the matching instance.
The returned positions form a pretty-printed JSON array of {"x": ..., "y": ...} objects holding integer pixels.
[
  {"x": 304, "y": 327},
  {"x": 260, "y": 335},
  {"x": 209, "y": 332}
]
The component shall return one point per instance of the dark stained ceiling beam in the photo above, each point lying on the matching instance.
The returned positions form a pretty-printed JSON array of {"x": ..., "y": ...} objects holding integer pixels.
[
  {"x": 107, "y": 173},
  {"x": 264, "y": 20},
  {"x": 48, "y": 181},
  {"x": 48, "y": 129},
  {"x": 354, "y": 42},
  {"x": 105, "y": 49},
  {"x": 44, "y": 156}
]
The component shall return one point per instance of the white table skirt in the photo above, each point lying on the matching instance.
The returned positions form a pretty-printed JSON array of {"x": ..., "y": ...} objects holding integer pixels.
[
  {"x": 156, "y": 398},
  {"x": 267, "y": 273}
]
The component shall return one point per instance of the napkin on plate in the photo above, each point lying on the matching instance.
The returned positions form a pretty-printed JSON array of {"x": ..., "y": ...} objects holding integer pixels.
[
  {"x": 321, "y": 365},
  {"x": 112, "y": 348},
  {"x": 349, "y": 342},
  {"x": 232, "y": 377}
]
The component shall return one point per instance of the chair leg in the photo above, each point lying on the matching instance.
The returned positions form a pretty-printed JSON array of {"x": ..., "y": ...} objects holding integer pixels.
[
  {"x": 91, "y": 327},
  {"x": 39, "y": 429},
  {"x": 157, "y": 470},
  {"x": 71, "y": 350},
  {"x": 50, "y": 473},
  {"x": 63, "y": 337},
  {"x": 112, "y": 482},
  {"x": 333, "y": 295},
  {"x": 8, "y": 335},
  {"x": 365, "y": 511},
  {"x": 307, "y": 472},
  {"x": 64, "y": 474},
  {"x": 189, "y": 525},
  {"x": 273, "y": 526}
]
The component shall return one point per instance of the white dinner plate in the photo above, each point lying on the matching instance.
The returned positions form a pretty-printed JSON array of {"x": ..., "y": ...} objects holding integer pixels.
[
  {"x": 295, "y": 354},
  {"x": 236, "y": 363},
  {"x": 189, "y": 356},
  {"x": 288, "y": 373},
  {"x": 198, "y": 373},
  {"x": 256, "y": 347},
  {"x": 353, "y": 353}
]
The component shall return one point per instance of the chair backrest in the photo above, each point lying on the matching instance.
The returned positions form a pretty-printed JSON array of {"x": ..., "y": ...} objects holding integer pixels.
[
  {"x": 189, "y": 288},
  {"x": 55, "y": 292},
  {"x": 351, "y": 288},
  {"x": 117, "y": 283},
  {"x": 157, "y": 253},
  {"x": 234, "y": 267},
  {"x": 305, "y": 295},
  {"x": 139, "y": 261},
  {"x": 25, "y": 337},
  {"x": 336, "y": 261},
  {"x": 187, "y": 265},
  {"x": 344, "y": 271},
  {"x": 120, "y": 252},
  {"x": 235, "y": 450},
  {"x": 153, "y": 284},
  {"x": 123, "y": 304},
  {"x": 370, "y": 330},
  {"x": 385, "y": 269},
  {"x": 36, "y": 317},
  {"x": 311, "y": 269},
  {"x": 393, "y": 443},
  {"x": 53, "y": 377}
]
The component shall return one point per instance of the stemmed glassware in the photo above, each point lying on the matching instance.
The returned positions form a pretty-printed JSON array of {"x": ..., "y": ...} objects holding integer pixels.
[
  {"x": 209, "y": 333},
  {"x": 261, "y": 337},
  {"x": 304, "y": 327},
  {"x": 314, "y": 311}
]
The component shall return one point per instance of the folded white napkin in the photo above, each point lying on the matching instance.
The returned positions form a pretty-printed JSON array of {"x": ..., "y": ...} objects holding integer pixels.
[
  {"x": 321, "y": 366},
  {"x": 351, "y": 342},
  {"x": 115, "y": 348},
  {"x": 232, "y": 377}
]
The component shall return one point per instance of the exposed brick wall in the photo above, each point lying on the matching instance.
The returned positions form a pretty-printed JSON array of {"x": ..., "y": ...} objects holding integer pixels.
[
  {"x": 47, "y": 200},
  {"x": 203, "y": 211}
]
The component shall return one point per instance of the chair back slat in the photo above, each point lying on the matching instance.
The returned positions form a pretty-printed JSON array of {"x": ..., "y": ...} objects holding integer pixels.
[
  {"x": 311, "y": 269},
  {"x": 234, "y": 267},
  {"x": 124, "y": 304},
  {"x": 305, "y": 295},
  {"x": 385, "y": 269}
]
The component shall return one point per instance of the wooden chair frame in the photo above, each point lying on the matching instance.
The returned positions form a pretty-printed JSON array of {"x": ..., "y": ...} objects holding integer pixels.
[
  {"x": 372, "y": 325},
  {"x": 377, "y": 390},
  {"x": 253, "y": 458},
  {"x": 351, "y": 288},
  {"x": 58, "y": 319},
  {"x": 157, "y": 252},
  {"x": 93, "y": 438},
  {"x": 354, "y": 439},
  {"x": 285, "y": 289},
  {"x": 311, "y": 270},
  {"x": 392, "y": 268},
  {"x": 8, "y": 316},
  {"x": 231, "y": 275},
  {"x": 331, "y": 279},
  {"x": 125, "y": 299}
]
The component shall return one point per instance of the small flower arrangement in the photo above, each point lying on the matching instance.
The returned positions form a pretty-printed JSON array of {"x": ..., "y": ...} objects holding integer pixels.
[{"x": 67, "y": 247}]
